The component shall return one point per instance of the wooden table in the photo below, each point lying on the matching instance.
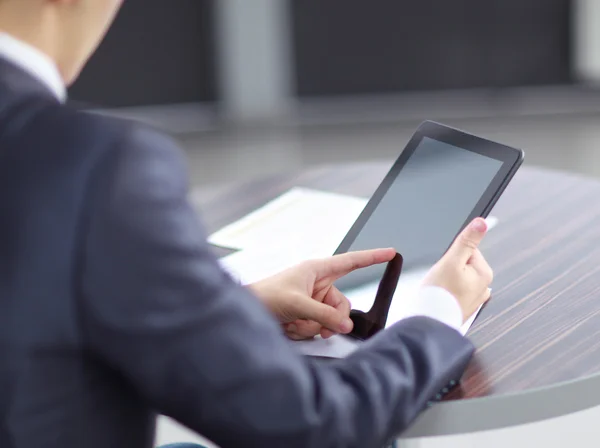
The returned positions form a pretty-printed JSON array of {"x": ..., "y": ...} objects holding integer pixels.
[{"x": 538, "y": 339}]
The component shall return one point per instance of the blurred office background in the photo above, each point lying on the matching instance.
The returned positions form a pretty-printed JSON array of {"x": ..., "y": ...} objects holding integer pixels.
[{"x": 251, "y": 87}]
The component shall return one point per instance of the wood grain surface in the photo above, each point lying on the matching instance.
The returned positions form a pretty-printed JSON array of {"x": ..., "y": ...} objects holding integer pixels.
[{"x": 542, "y": 325}]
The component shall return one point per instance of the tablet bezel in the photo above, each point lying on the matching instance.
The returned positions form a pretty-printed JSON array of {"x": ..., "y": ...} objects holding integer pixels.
[{"x": 511, "y": 159}]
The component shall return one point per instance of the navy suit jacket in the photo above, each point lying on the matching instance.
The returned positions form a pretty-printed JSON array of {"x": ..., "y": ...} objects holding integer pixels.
[{"x": 113, "y": 308}]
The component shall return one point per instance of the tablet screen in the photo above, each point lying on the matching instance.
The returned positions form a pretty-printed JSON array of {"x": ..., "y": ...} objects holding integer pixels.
[{"x": 425, "y": 206}]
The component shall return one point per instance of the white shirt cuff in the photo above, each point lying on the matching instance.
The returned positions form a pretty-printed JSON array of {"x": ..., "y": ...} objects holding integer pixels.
[{"x": 438, "y": 304}]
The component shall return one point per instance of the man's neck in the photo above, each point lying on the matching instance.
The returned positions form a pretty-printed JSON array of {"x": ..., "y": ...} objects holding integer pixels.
[{"x": 33, "y": 25}]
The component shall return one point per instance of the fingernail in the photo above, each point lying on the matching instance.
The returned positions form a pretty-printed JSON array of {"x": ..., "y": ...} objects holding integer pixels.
[
  {"x": 346, "y": 326},
  {"x": 479, "y": 225}
]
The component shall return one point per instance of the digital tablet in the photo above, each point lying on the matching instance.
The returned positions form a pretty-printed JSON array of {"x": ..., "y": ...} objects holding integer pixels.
[{"x": 443, "y": 179}]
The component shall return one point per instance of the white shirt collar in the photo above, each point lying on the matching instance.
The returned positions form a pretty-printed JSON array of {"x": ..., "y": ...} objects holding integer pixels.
[{"x": 34, "y": 62}]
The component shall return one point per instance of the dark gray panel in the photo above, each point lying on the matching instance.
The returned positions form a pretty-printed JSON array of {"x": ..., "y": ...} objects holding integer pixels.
[
  {"x": 157, "y": 52},
  {"x": 352, "y": 46}
]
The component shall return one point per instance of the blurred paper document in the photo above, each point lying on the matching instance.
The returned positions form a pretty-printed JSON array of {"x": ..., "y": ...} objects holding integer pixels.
[{"x": 311, "y": 218}]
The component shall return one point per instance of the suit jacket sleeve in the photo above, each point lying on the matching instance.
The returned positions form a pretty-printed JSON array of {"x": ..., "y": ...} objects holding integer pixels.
[{"x": 200, "y": 348}]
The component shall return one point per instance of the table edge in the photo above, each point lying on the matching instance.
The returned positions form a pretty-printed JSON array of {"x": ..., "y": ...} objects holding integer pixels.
[{"x": 502, "y": 411}]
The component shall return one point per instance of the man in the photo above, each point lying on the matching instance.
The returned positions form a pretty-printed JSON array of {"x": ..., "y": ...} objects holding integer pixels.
[{"x": 112, "y": 307}]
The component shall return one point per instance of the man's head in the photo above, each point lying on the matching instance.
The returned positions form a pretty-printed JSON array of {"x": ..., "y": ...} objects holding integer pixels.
[{"x": 66, "y": 30}]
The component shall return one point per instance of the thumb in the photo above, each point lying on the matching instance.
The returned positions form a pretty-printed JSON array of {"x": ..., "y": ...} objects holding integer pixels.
[
  {"x": 325, "y": 315},
  {"x": 467, "y": 242}
]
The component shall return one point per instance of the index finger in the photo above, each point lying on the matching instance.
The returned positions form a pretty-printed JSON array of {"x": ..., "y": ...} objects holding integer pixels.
[{"x": 340, "y": 265}]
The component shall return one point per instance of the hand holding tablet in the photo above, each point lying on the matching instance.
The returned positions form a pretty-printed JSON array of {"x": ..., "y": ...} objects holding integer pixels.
[
  {"x": 463, "y": 271},
  {"x": 442, "y": 180}
]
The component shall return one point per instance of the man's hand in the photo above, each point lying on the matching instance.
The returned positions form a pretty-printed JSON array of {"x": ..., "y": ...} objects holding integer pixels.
[
  {"x": 304, "y": 298},
  {"x": 463, "y": 271}
]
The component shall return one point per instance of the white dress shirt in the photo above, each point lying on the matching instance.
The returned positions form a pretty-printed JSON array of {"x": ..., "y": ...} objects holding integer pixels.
[
  {"x": 35, "y": 62},
  {"x": 438, "y": 304}
]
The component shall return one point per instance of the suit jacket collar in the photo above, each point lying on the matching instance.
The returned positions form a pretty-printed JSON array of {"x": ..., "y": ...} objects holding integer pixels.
[{"x": 15, "y": 80}]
